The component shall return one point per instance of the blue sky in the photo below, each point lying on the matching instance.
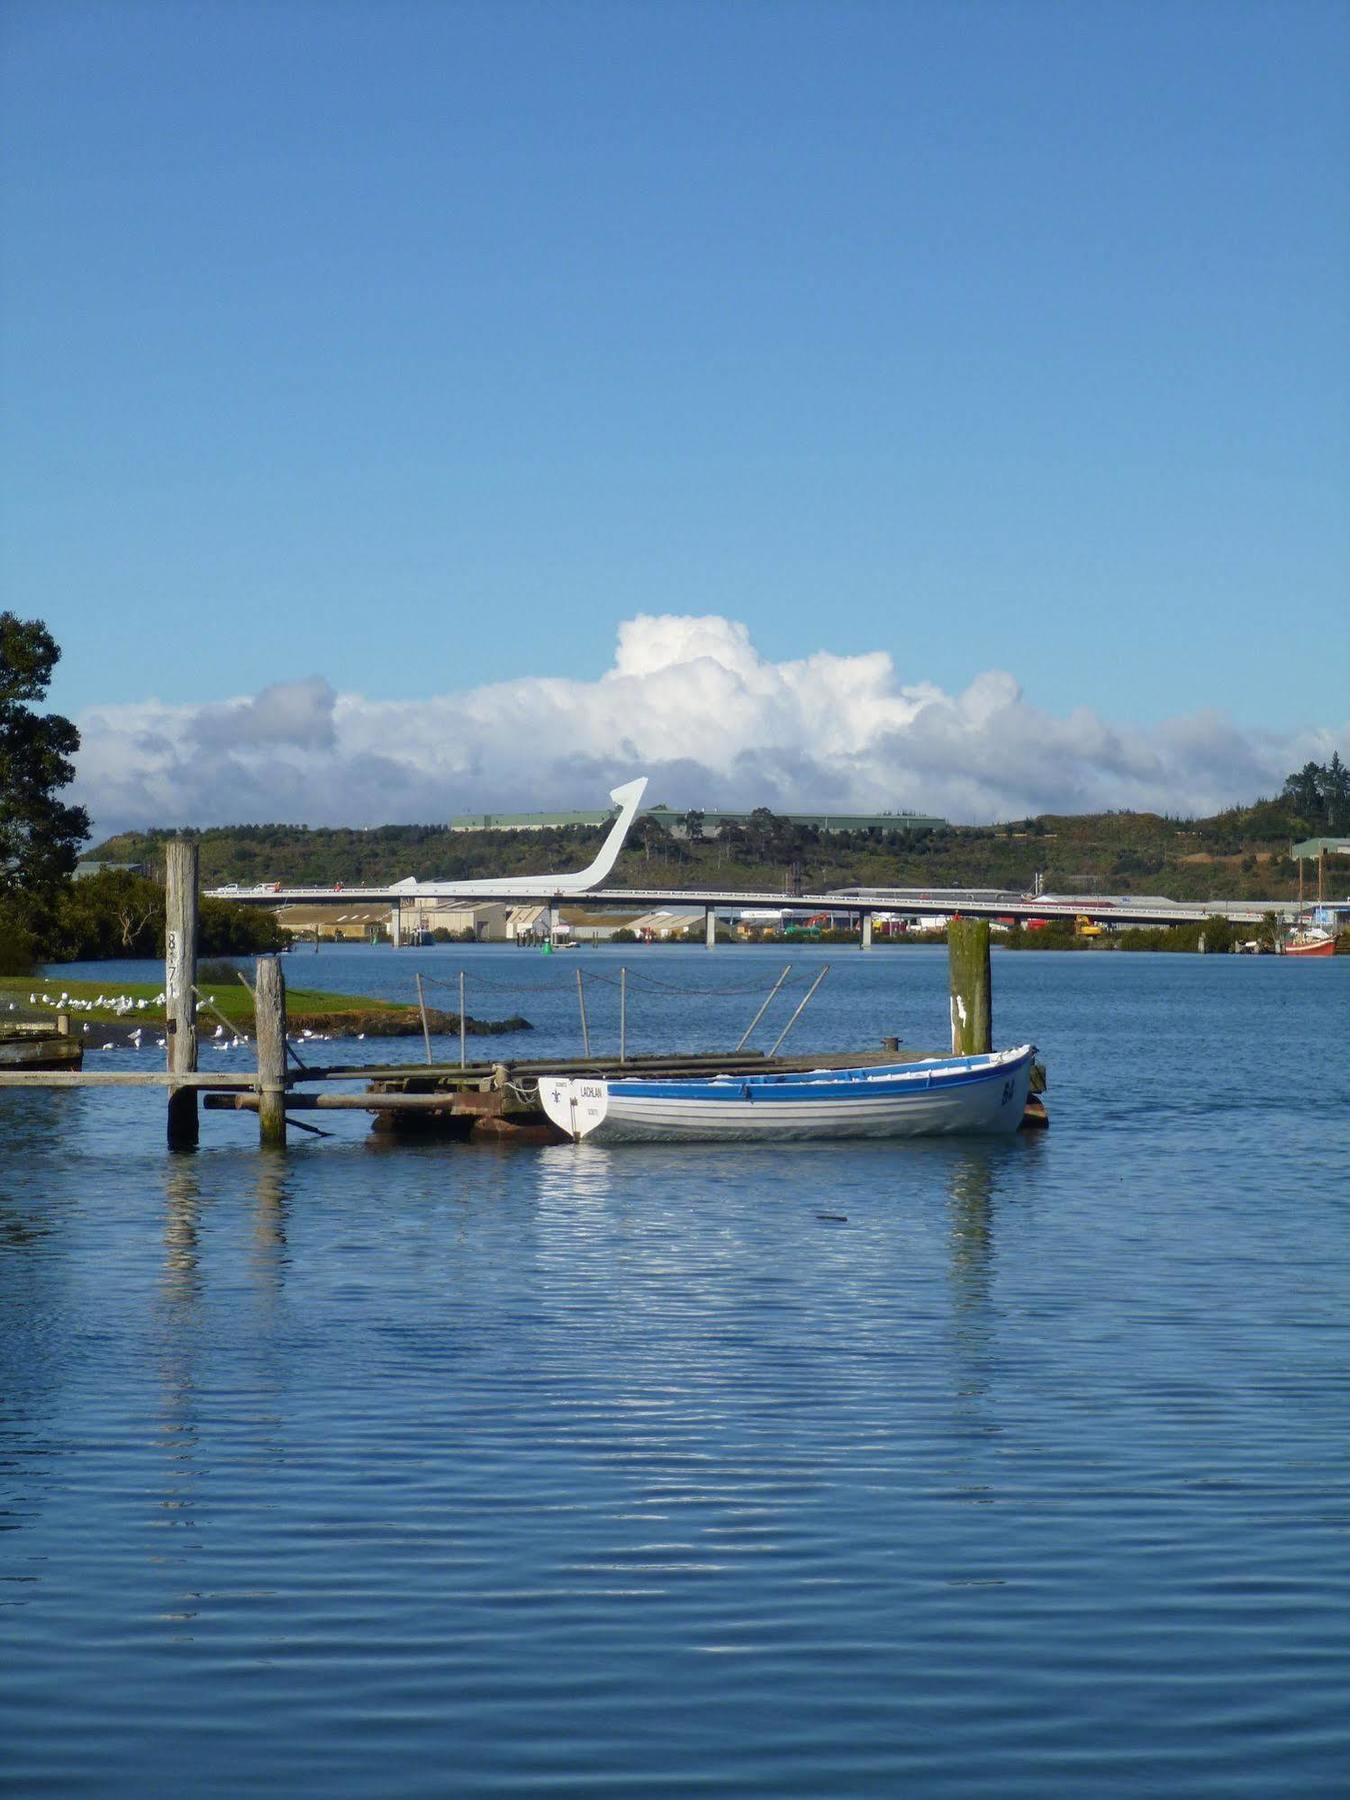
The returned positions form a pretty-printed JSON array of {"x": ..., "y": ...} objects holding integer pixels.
[{"x": 417, "y": 346}]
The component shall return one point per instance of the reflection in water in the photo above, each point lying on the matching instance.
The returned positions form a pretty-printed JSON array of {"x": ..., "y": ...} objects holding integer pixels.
[
  {"x": 182, "y": 1201},
  {"x": 269, "y": 1224},
  {"x": 180, "y": 1293},
  {"x": 34, "y": 1301},
  {"x": 577, "y": 1174},
  {"x": 970, "y": 1186},
  {"x": 185, "y": 1334},
  {"x": 269, "y": 1261}
]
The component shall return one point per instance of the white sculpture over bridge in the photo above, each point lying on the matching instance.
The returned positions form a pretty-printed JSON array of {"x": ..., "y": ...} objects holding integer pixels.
[{"x": 544, "y": 887}]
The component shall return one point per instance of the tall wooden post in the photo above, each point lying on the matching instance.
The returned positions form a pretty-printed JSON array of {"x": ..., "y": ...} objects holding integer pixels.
[
  {"x": 971, "y": 992},
  {"x": 710, "y": 928},
  {"x": 867, "y": 931},
  {"x": 269, "y": 1007},
  {"x": 180, "y": 979},
  {"x": 585, "y": 1028}
]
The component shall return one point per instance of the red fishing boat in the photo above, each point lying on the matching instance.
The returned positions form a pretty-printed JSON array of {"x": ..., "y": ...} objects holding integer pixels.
[{"x": 1310, "y": 940}]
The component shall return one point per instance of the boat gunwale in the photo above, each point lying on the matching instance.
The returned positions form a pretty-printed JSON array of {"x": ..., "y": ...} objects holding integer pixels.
[{"x": 938, "y": 1075}]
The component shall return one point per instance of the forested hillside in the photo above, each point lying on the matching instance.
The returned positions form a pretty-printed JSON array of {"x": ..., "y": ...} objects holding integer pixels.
[{"x": 1243, "y": 853}]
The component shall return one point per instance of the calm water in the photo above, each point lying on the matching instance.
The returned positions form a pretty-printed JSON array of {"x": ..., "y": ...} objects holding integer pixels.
[{"x": 398, "y": 1471}]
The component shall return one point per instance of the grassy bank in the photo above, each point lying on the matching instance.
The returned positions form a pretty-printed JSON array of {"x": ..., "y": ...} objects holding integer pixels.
[{"x": 121, "y": 1007}]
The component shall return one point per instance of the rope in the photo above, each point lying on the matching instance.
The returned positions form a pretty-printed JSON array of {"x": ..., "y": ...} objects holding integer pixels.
[{"x": 234, "y": 1030}]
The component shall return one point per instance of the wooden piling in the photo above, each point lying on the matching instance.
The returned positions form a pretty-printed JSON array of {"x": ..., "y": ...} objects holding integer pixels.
[
  {"x": 585, "y": 1029},
  {"x": 971, "y": 990},
  {"x": 269, "y": 1006},
  {"x": 180, "y": 982}
]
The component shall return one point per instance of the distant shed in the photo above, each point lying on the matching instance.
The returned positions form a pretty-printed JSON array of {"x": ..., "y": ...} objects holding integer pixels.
[{"x": 1318, "y": 849}]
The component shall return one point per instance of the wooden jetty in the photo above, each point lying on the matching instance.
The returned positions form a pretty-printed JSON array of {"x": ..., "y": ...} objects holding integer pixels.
[
  {"x": 26, "y": 1047},
  {"x": 495, "y": 1100}
]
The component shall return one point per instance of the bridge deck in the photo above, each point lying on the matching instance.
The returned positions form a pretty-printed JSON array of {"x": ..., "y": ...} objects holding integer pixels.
[{"x": 919, "y": 903}]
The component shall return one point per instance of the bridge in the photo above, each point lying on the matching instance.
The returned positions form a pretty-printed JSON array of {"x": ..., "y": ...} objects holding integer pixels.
[
  {"x": 863, "y": 903},
  {"x": 584, "y": 887}
]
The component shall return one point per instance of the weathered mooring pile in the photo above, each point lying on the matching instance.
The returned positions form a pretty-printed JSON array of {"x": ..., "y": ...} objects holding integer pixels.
[{"x": 467, "y": 1101}]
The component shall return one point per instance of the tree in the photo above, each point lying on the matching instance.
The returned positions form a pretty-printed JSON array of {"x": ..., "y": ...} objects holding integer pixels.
[
  {"x": 1336, "y": 790},
  {"x": 763, "y": 828},
  {"x": 40, "y": 836},
  {"x": 1303, "y": 790}
]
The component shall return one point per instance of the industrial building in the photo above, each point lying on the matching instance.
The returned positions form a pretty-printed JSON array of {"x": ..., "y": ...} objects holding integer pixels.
[{"x": 712, "y": 820}]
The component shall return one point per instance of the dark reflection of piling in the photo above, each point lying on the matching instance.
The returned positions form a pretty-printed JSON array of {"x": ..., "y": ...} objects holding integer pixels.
[
  {"x": 971, "y": 1182},
  {"x": 271, "y": 1206},
  {"x": 268, "y": 1260},
  {"x": 180, "y": 1296},
  {"x": 180, "y": 1281}
]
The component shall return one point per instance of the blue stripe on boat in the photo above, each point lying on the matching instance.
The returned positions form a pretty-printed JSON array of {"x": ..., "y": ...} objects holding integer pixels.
[{"x": 923, "y": 1079}]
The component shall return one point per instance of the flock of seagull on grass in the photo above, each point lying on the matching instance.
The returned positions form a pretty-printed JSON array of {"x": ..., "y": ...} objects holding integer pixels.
[{"x": 122, "y": 1004}]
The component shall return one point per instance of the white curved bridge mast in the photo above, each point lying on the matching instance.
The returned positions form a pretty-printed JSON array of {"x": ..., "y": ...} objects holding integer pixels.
[{"x": 547, "y": 887}]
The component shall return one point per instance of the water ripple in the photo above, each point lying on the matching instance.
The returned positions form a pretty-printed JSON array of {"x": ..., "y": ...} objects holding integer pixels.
[{"x": 576, "y": 1471}]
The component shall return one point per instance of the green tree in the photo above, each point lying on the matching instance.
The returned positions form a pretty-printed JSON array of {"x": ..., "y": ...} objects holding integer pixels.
[
  {"x": 1303, "y": 789},
  {"x": 40, "y": 835},
  {"x": 1336, "y": 793}
]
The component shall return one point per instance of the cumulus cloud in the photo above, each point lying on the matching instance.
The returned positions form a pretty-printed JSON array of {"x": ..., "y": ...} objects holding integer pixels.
[{"x": 689, "y": 701}]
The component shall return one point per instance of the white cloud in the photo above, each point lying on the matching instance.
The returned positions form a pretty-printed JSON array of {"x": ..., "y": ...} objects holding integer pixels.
[{"x": 692, "y": 703}]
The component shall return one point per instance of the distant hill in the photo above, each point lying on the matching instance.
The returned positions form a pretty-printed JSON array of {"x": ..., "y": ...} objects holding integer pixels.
[{"x": 1239, "y": 854}]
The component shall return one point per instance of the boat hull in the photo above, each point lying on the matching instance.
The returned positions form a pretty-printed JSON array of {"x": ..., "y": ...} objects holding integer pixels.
[
  {"x": 950, "y": 1095},
  {"x": 1311, "y": 947}
]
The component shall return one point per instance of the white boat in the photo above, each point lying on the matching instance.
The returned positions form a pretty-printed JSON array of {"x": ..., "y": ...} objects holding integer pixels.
[{"x": 917, "y": 1099}]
